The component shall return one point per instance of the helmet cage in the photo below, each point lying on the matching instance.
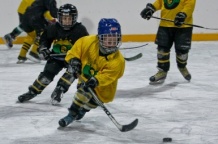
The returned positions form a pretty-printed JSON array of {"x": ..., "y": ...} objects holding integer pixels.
[
  {"x": 109, "y": 43},
  {"x": 109, "y": 35},
  {"x": 67, "y": 10}
]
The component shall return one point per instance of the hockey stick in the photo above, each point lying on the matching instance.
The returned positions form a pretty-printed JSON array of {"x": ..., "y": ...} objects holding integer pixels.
[
  {"x": 125, "y": 48},
  {"x": 58, "y": 55},
  {"x": 133, "y": 57},
  {"x": 193, "y": 25},
  {"x": 127, "y": 59},
  {"x": 122, "y": 128}
]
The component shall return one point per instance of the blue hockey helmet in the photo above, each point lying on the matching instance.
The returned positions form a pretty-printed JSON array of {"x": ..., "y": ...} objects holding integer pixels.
[{"x": 109, "y": 34}]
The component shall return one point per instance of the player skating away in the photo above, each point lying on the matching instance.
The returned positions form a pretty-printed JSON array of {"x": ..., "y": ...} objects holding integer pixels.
[
  {"x": 64, "y": 34},
  {"x": 29, "y": 42},
  {"x": 8, "y": 38},
  {"x": 33, "y": 23},
  {"x": 172, "y": 33},
  {"x": 96, "y": 59}
]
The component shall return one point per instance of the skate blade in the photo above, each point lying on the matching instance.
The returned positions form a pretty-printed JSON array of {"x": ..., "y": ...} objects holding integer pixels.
[
  {"x": 29, "y": 57},
  {"x": 54, "y": 102},
  {"x": 159, "y": 82},
  {"x": 21, "y": 61}
]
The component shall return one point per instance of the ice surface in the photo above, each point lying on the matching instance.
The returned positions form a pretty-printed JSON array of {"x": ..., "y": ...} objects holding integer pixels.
[{"x": 186, "y": 112}]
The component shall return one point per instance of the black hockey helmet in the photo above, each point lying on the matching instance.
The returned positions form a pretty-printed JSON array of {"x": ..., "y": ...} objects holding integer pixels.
[{"x": 67, "y": 16}]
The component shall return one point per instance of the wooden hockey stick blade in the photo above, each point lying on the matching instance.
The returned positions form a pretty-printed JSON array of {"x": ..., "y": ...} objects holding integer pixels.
[
  {"x": 134, "y": 57},
  {"x": 129, "y": 127}
]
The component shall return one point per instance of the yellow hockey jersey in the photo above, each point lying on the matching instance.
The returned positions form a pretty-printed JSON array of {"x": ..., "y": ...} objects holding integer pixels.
[
  {"x": 26, "y": 3},
  {"x": 169, "y": 9},
  {"x": 107, "y": 70}
]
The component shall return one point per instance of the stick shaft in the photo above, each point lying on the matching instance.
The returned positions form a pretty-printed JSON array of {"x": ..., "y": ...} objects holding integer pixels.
[
  {"x": 193, "y": 25},
  {"x": 122, "y": 128}
]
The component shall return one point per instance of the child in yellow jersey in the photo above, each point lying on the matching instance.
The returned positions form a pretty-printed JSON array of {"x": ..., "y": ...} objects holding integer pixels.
[
  {"x": 99, "y": 62},
  {"x": 170, "y": 33}
]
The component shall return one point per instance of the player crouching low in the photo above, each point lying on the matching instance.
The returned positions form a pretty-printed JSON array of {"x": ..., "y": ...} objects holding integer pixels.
[{"x": 98, "y": 61}]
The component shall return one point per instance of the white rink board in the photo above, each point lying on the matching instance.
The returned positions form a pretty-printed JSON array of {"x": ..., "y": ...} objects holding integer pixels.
[{"x": 126, "y": 11}]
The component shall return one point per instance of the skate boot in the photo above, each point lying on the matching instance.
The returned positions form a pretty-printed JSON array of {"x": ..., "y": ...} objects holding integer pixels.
[
  {"x": 21, "y": 59},
  {"x": 33, "y": 57},
  {"x": 8, "y": 39},
  {"x": 158, "y": 78},
  {"x": 57, "y": 95},
  {"x": 67, "y": 119},
  {"x": 27, "y": 96},
  {"x": 81, "y": 114},
  {"x": 185, "y": 73}
]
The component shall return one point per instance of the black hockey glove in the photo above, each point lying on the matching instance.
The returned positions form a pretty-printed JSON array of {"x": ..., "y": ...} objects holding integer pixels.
[
  {"x": 74, "y": 67},
  {"x": 148, "y": 11},
  {"x": 44, "y": 53},
  {"x": 92, "y": 83},
  {"x": 180, "y": 19}
]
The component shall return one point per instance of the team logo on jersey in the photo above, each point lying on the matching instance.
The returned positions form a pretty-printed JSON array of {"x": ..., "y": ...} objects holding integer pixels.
[
  {"x": 64, "y": 49},
  {"x": 171, "y": 4},
  {"x": 88, "y": 71}
]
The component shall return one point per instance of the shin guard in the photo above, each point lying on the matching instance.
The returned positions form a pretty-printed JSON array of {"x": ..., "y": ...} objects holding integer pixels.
[
  {"x": 163, "y": 57},
  {"x": 40, "y": 84}
]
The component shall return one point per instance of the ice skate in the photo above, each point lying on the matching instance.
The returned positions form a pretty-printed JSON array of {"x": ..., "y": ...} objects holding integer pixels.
[
  {"x": 57, "y": 95},
  {"x": 27, "y": 96},
  {"x": 67, "y": 120},
  {"x": 81, "y": 114},
  {"x": 158, "y": 78},
  {"x": 8, "y": 40},
  {"x": 33, "y": 57},
  {"x": 185, "y": 73},
  {"x": 21, "y": 60}
]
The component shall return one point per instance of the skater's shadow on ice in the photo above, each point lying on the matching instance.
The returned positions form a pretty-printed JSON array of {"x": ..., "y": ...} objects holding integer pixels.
[
  {"x": 77, "y": 127},
  {"x": 29, "y": 108},
  {"x": 147, "y": 91}
]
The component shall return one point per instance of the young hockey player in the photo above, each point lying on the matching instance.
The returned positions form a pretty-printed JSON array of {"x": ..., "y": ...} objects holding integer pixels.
[
  {"x": 29, "y": 42},
  {"x": 99, "y": 62},
  {"x": 8, "y": 38},
  {"x": 170, "y": 33},
  {"x": 32, "y": 21},
  {"x": 64, "y": 34}
]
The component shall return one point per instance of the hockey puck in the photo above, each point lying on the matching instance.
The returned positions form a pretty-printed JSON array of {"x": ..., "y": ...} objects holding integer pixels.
[{"x": 167, "y": 139}]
